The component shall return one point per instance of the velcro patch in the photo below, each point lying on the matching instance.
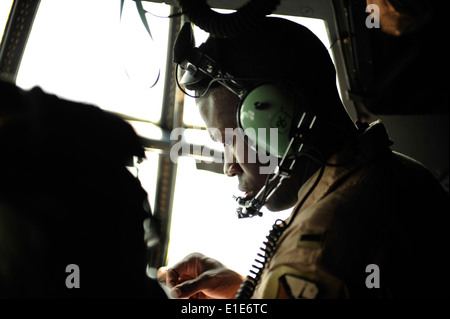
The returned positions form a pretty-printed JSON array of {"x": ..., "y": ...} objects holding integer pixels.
[{"x": 311, "y": 239}]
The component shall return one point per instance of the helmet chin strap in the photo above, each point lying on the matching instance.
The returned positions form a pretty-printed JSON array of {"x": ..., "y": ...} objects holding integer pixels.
[{"x": 251, "y": 207}]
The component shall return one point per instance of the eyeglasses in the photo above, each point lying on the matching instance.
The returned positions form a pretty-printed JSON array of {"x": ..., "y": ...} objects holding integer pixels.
[{"x": 236, "y": 86}]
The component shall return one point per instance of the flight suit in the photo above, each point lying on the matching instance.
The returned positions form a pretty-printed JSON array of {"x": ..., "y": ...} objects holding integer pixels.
[{"x": 373, "y": 227}]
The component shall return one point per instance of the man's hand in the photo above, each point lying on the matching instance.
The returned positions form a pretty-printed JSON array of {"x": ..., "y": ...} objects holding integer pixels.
[{"x": 200, "y": 277}]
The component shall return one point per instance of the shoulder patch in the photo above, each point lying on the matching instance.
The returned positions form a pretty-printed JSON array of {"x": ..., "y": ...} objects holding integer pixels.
[
  {"x": 288, "y": 283},
  {"x": 285, "y": 282},
  {"x": 299, "y": 288}
]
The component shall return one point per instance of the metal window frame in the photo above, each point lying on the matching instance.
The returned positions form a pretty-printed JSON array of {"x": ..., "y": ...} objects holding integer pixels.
[
  {"x": 15, "y": 37},
  {"x": 171, "y": 117}
]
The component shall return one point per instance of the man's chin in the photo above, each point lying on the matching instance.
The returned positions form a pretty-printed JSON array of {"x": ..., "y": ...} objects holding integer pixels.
[
  {"x": 275, "y": 205},
  {"x": 275, "y": 209}
]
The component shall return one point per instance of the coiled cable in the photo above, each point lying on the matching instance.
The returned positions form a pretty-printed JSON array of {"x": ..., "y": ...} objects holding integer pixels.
[{"x": 248, "y": 286}]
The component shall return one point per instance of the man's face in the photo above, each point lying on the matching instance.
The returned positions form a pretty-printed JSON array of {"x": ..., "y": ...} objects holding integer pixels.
[{"x": 218, "y": 110}]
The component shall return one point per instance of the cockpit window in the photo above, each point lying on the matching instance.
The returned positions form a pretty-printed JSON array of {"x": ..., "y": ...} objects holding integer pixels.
[
  {"x": 5, "y": 8},
  {"x": 85, "y": 51}
]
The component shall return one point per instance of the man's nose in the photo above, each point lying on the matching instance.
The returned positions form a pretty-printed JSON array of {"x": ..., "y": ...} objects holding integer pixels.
[{"x": 231, "y": 169}]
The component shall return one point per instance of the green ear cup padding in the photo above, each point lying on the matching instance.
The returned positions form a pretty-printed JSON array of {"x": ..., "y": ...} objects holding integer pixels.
[{"x": 265, "y": 110}]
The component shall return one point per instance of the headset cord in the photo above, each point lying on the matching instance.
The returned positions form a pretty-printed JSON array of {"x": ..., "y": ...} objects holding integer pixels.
[{"x": 270, "y": 246}]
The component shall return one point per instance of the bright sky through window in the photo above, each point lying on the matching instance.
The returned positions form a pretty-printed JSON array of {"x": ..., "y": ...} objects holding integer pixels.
[
  {"x": 81, "y": 50},
  {"x": 5, "y": 8}
]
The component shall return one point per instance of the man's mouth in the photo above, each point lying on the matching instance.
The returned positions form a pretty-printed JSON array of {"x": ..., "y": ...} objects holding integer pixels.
[{"x": 247, "y": 194}]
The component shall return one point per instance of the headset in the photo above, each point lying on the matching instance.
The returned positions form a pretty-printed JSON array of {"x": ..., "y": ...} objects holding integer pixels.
[{"x": 265, "y": 104}]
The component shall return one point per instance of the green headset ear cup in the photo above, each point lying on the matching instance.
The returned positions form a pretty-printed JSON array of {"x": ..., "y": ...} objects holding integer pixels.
[{"x": 265, "y": 110}]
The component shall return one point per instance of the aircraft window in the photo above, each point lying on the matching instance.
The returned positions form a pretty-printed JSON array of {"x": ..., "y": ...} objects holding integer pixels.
[
  {"x": 82, "y": 51},
  {"x": 147, "y": 171},
  {"x": 5, "y": 8},
  {"x": 147, "y": 174}
]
